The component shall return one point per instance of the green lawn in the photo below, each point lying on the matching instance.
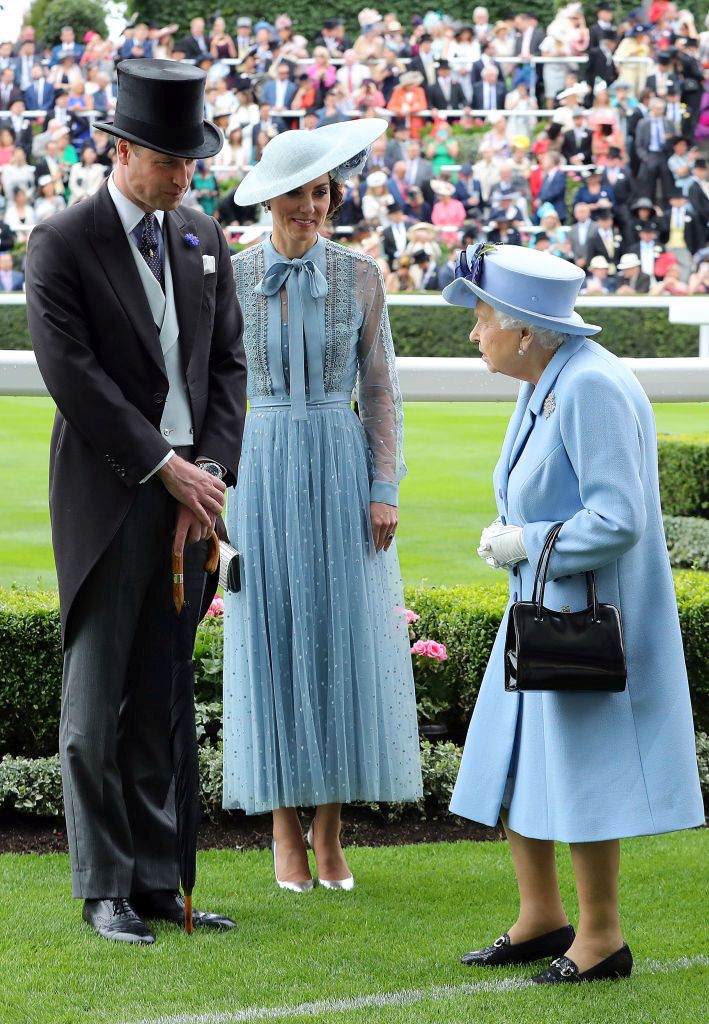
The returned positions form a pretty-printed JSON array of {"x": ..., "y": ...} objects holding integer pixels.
[
  {"x": 446, "y": 500},
  {"x": 414, "y": 911}
]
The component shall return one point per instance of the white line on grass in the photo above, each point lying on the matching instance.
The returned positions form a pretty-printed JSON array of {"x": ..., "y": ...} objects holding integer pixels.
[{"x": 406, "y": 997}]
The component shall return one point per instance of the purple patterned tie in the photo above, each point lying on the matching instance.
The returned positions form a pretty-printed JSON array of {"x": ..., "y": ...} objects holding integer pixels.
[{"x": 149, "y": 247}]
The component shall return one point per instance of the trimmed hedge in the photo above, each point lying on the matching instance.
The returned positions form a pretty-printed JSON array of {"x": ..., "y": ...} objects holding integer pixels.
[
  {"x": 683, "y": 461},
  {"x": 434, "y": 331},
  {"x": 465, "y": 619},
  {"x": 34, "y": 786},
  {"x": 687, "y": 542}
]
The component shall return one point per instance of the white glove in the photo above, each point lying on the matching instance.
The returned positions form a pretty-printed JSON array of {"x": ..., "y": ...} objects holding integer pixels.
[{"x": 502, "y": 546}]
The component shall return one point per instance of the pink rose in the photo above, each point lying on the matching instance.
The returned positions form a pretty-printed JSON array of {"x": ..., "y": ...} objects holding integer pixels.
[
  {"x": 216, "y": 607},
  {"x": 420, "y": 647},
  {"x": 436, "y": 650},
  {"x": 411, "y": 616}
]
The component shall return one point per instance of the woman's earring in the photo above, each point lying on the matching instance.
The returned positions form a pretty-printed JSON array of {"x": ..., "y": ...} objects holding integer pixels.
[{"x": 520, "y": 351}]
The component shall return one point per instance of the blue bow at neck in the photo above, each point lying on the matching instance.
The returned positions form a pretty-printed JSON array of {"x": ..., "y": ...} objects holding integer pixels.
[{"x": 305, "y": 284}]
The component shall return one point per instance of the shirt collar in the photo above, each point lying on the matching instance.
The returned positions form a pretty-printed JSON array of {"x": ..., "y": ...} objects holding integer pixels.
[{"x": 130, "y": 214}]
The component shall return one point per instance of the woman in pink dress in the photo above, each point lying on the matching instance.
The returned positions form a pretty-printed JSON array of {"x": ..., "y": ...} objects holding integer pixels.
[{"x": 448, "y": 213}]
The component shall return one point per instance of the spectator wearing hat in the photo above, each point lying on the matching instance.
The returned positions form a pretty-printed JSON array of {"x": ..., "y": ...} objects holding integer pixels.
[
  {"x": 424, "y": 272},
  {"x": 243, "y": 39},
  {"x": 489, "y": 93},
  {"x": 676, "y": 112},
  {"x": 604, "y": 22},
  {"x": 593, "y": 191},
  {"x": 600, "y": 64},
  {"x": 445, "y": 93},
  {"x": 448, "y": 212},
  {"x": 549, "y": 222},
  {"x": 637, "y": 46},
  {"x": 21, "y": 125},
  {"x": 691, "y": 76},
  {"x": 409, "y": 98},
  {"x": 669, "y": 277},
  {"x": 647, "y": 248},
  {"x": 395, "y": 235},
  {"x": 582, "y": 233},
  {"x": 377, "y": 199},
  {"x": 607, "y": 241},
  {"x": 576, "y": 147},
  {"x": 417, "y": 206},
  {"x": 663, "y": 79},
  {"x": 67, "y": 45},
  {"x": 682, "y": 231},
  {"x": 424, "y": 62},
  {"x": 651, "y": 137},
  {"x": 598, "y": 281},
  {"x": 11, "y": 280},
  {"x": 370, "y": 42},
  {"x": 47, "y": 200},
  {"x": 328, "y": 37},
  {"x": 631, "y": 278}
]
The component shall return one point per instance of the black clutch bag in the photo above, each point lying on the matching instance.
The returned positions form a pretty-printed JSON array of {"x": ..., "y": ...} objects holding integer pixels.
[{"x": 579, "y": 652}]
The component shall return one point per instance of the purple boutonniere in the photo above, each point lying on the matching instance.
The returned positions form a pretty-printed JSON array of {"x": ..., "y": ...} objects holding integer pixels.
[
  {"x": 191, "y": 240},
  {"x": 470, "y": 261}
]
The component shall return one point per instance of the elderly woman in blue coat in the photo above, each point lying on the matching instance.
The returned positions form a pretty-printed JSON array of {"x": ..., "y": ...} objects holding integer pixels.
[{"x": 582, "y": 768}]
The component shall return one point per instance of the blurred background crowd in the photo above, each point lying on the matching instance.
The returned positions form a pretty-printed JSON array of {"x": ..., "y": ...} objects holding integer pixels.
[{"x": 587, "y": 137}]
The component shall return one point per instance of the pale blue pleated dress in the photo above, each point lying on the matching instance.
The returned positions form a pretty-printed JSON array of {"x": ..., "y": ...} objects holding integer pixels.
[{"x": 319, "y": 702}]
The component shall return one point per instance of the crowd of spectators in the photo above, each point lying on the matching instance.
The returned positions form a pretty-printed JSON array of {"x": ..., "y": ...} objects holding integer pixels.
[{"x": 587, "y": 137}]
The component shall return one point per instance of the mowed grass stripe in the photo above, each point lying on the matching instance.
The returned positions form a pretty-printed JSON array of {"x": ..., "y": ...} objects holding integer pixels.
[{"x": 446, "y": 499}]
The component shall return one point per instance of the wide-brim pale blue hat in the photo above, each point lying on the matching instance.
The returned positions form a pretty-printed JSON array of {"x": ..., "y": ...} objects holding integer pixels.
[
  {"x": 535, "y": 287},
  {"x": 296, "y": 157}
]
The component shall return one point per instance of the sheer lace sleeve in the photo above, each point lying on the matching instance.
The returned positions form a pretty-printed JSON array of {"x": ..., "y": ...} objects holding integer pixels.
[{"x": 379, "y": 395}]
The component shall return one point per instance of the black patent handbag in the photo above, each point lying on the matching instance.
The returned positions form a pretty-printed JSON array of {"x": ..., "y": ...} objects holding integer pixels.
[{"x": 570, "y": 652}]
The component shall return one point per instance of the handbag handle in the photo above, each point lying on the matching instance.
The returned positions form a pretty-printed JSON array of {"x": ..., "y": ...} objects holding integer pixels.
[{"x": 540, "y": 578}]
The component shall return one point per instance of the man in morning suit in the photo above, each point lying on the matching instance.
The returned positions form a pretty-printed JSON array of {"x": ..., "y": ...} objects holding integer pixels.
[{"x": 137, "y": 334}]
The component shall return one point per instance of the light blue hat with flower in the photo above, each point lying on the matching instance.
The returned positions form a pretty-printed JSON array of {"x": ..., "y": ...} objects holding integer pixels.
[
  {"x": 535, "y": 287},
  {"x": 296, "y": 157}
]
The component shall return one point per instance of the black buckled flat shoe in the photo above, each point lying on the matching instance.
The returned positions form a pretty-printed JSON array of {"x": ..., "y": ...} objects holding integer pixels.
[
  {"x": 116, "y": 919},
  {"x": 504, "y": 953},
  {"x": 169, "y": 905},
  {"x": 563, "y": 970}
]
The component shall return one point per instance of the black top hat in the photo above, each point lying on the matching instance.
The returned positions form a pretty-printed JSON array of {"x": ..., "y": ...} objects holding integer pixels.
[
  {"x": 443, "y": 63},
  {"x": 160, "y": 105},
  {"x": 615, "y": 152},
  {"x": 663, "y": 58},
  {"x": 648, "y": 225}
]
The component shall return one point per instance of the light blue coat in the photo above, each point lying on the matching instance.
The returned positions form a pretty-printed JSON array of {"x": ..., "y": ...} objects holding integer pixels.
[{"x": 581, "y": 450}]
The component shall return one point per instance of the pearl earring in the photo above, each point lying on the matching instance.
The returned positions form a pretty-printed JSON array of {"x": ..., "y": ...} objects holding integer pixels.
[{"x": 520, "y": 351}]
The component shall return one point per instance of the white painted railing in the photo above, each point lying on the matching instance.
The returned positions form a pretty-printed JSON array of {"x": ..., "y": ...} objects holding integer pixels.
[{"x": 444, "y": 380}]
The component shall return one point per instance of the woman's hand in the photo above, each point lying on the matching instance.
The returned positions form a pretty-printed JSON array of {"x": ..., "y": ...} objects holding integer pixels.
[{"x": 385, "y": 519}]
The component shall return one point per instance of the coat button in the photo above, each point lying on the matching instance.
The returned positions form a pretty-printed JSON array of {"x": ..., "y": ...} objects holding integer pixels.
[
  {"x": 514, "y": 570},
  {"x": 499, "y": 493},
  {"x": 158, "y": 398},
  {"x": 514, "y": 596}
]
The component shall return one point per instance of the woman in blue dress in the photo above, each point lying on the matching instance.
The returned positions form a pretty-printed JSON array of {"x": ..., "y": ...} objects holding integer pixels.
[{"x": 319, "y": 705}]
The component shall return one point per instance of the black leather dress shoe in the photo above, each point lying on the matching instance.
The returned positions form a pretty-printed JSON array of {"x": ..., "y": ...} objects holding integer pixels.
[
  {"x": 504, "y": 953},
  {"x": 563, "y": 970},
  {"x": 116, "y": 919},
  {"x": 169, "y": 905}
]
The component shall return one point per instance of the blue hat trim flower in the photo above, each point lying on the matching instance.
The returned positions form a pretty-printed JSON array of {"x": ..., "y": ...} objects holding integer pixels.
[
  {"x": 191, "y": 240},
  {"x": 470, "y": 261},
  {"x": 350, "y": 167}
]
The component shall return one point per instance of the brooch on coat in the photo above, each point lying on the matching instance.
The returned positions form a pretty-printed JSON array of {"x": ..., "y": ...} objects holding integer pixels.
[{"x": 549, "y": 405}]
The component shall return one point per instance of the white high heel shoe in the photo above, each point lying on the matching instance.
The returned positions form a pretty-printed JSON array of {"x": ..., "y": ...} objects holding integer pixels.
[
  {"x": 345, "y": 884},
  {"x": 306, "y": 885}
]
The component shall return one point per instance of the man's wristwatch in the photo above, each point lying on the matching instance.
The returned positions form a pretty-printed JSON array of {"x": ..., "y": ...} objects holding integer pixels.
[{"x": 213, "y": 468}]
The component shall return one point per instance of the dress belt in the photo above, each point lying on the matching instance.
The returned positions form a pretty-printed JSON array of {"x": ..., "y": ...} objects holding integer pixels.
[{"x": 332, "y": 400}]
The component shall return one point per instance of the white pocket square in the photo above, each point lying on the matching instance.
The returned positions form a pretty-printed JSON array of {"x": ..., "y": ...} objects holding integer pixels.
[{"x": 208, "y": 264}]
